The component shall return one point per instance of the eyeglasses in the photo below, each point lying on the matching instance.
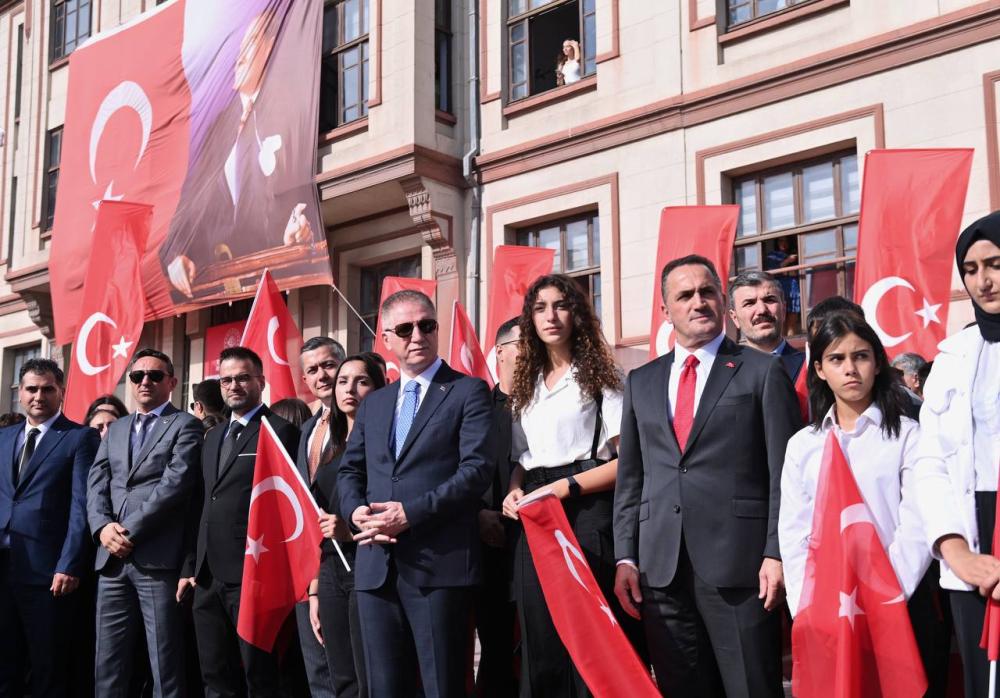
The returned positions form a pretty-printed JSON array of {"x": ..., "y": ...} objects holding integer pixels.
[
  {"x": 242, "y": 379},
  {"x": 405, "y": 329},
  {"x": 509, "y": 341},
  {"x": 155, "y": 376}
]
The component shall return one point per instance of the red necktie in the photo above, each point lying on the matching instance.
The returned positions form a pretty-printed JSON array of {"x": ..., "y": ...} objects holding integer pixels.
[{"x": 684, "y": 409}]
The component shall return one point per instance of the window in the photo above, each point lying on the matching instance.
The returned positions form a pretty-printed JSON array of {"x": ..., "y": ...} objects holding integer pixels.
[
  {"x": 371, "y": 293},
  {"x": 577, "y": 242},
  {"x": 231, "y": 312},
  {"x": 70, "y": 26},
  {"x": 344, "y": 71},
  {"x": 18, "y": 358},
  {"x": 11, "y": 219},
  {"x": 800, "y": 222},
  {"x": 442, "y": 55},
  {"x": 744, "y": 10},
  {"x": 536, "y": 33},
  {"x": 19, "y": 73},
  {"x": 53, "y": 153}
]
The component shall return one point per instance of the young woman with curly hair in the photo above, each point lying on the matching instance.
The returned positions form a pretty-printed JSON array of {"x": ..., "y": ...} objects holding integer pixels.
[{"x": 567, "y": 403}]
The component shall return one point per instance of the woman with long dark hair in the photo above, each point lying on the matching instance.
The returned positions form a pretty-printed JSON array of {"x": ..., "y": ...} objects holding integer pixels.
[
  {"x": 103, "y": 411},
  {"x": 959, "y": 450},
  {"x": 567, "y": 402},
  {"x": 333, "y": 605}
]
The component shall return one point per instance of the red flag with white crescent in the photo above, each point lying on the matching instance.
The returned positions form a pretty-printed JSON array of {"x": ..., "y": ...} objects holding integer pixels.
[
  {"x": 272, "y": 333},
  {"x": 466, "y": 356},
  {"x": 111, "y": 313},
  {"x": 911, "y": 211},
  {"x": 610, "y": 667},
  {"x": 852, "y": 636},
  {"x": 390, "y": 285},
  {"x": 282, "y": 547},
  {"x": 708, "y": 231}
]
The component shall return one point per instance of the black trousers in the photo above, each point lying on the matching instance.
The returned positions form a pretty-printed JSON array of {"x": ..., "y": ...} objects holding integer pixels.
[
  {"x": 338, "y": 616},
  {"x": 34, "y": 629},
  {"x": 229, "y": 666},
  {"x": 494, "y": 611},
  {"x": 707, "y": 642},
  {"x": 930, "y": 616}
]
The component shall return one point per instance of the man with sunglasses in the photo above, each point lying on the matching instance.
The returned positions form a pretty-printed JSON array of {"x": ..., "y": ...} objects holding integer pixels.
[
  {"x": 139, "y": 492},
  {"x": 416, "y": 466}
]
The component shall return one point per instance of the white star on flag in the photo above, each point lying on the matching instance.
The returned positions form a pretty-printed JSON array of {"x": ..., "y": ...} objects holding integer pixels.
[
  {"x": 121, "y": 349},
  {"x": 929, "y": 313},
  {"x": 849, "y": 606},
  {"x": 108, "y": 196},
  {"x": 610, "y": 615},
  {"x": 255, "y": 547}
]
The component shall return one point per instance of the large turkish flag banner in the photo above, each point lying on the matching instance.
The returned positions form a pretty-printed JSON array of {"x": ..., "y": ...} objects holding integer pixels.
[
  {"x": 911, "y": 210},
  {"x": 584, "y": 620},
  {"x": 283, "y": 537},
  {"x": 272, "y": 333},
  {"x": 390, "y": 285},
  {"x": 466, "y": 356},
  {"x": 111, "y": 314},
  {"x": 852, "y": 637},
  {"x": 705, "y": 230}
]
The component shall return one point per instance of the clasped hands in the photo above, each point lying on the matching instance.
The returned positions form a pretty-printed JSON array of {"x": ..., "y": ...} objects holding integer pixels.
[{"x": 379, "y": 522}]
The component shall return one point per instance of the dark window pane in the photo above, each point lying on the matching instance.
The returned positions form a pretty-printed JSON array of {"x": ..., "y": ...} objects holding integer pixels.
[
  {"x": 595, "y": 235},
  {"x": 329, "y": 28},
  {"x": 851, "y": 238},
  {"x": 747, "y": 258}
]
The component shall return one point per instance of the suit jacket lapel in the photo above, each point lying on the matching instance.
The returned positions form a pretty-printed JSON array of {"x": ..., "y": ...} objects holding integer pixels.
[
  {"x": 662, "y": 405},
  {"x": 725, "y": 366},
  {"x": 6, "y": 477},
  {"x": 249, "y": 432},
  {"x": 210, "y": 465},
  {"x": 302, "y": 462},
  {"x": 436, "y": 393},
  {"x": 155, "y": 432},
  {"x": 389, "y": 415},
  {"x": 52, "y": 437}
]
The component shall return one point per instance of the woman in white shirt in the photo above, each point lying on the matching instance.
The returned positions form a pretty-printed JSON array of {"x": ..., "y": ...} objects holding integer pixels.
[
  {"x": 959, "y": 450},
  {"x": 566, "y": 402},
  {"x": 854, "y": 393},
  {"x": 568, "y": 63}
]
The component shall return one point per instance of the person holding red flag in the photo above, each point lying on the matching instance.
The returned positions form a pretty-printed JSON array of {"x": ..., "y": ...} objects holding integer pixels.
[
  {"x": 855, "y": 396},
  {"x": 959, "y": 451}
]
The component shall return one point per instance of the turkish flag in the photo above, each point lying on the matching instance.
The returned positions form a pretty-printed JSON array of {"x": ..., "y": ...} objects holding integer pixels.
[
  {"x": 911, "y": 210},
  {"x": 515, "y": 268},
  {"x": 705, "y": 230},
  {"x": 283, "y": 537},
  {"x": 802, "y": 388},
  {"x": 581, "y": 614},
  {"x": 990, "y": 640},
  {"x": 111, "y": 315},
  {"x": 466, "y": 356},
  {"x": 852, "y": 637},
  {"x": 272, "y": 333},
  {"x": 390, "y": 285}
]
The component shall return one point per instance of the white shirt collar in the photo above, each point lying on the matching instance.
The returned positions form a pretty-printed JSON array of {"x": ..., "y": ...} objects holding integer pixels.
[
  {"x": 43, "y": 427},
  {"x": 870, "y": 417},
  {"x": 158, "y": 410},
  {"x": 706, "y": 352},
  {"x": 245, "y": 419},
  {"x": 424, "y": 379}
]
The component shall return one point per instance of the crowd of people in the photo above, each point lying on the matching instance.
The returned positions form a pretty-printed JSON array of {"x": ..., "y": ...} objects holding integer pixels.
[{"x": 690, "y": 485}]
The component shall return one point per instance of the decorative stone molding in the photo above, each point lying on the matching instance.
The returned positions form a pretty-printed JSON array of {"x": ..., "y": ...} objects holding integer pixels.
[
  {"x": 418, "y": 199},
  {"x": 39, "y": 306}
]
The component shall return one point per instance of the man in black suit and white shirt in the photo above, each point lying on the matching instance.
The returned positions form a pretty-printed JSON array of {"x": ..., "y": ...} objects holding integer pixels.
[
  {"x": 703, "y": 440},
  {"x": 216, "y": 569},
  {"x": 757, "y": 307}
]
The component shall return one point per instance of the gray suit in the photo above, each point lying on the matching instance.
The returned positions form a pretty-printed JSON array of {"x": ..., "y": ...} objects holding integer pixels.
[{"x": 151, "y": 498}]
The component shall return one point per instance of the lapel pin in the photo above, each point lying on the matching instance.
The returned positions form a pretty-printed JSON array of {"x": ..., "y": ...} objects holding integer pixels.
[
  {"x": 441, "y": 388},
  {"x": 730, "y": 364}
]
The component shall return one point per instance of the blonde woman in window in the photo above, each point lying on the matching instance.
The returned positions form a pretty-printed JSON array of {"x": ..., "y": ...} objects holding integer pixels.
[{"x": 568, "y": 63}]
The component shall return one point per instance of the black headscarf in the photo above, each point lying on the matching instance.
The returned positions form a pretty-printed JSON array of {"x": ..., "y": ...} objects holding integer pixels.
[{"x": 986, "y": 228}]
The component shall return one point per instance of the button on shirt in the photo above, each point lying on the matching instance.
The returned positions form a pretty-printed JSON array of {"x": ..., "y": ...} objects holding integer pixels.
[
  {"x": 706, "y": 357},
  {"x": 557, "y": 427},
  {"x": 986, "y": 417},
  {"x": 424, "y": 379},
  {"x": 883, "y": 469}
]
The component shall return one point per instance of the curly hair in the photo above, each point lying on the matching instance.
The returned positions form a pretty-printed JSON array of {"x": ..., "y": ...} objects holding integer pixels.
[{"x": 593, "y": 365}]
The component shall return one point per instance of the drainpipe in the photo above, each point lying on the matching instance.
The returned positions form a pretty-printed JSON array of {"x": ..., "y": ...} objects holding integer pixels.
[{"x": 472, "y": 176}]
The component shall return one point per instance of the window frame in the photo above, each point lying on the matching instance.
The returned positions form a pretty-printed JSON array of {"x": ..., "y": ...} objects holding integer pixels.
[
  {"x": 755, "y": 13},
  {"x": 337, "y": 55},
  {"x": 444, "y": 35},
  {"x": 60, "y": 47},
  {"x": 50, "y": 179},
  {"x": 369, "y": 315}
]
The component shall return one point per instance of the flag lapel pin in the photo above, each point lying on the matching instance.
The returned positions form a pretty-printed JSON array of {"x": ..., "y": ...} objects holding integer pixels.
[{"x": 730, "y": 364}]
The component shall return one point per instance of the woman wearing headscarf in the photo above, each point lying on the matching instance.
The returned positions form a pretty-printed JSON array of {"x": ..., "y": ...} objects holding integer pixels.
[{"x": 959, "y": 451}]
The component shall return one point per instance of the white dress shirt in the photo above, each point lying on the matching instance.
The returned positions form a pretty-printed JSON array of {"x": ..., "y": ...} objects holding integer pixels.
[
  {"x": 42, "y": 428},
  {"x": 424, "y": 379},
  {"x": 312, "y": 432},
  {"x": 883, "y": 469},
  {"x": 157, "y": 412},
  {"x": 557, "y": 427},
  {"x": 986, "y": 418},
  {"x": 706, "y": 357},
  {"x": 245, "y": 419}
]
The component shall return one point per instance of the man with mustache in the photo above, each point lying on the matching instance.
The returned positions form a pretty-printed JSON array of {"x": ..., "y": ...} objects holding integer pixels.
[{"x": 757, "y": 306}]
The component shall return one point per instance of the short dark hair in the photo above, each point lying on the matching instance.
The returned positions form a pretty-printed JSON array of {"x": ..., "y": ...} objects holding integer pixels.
[
  {"x": 209, "y": 394},
  {"x": 834, "y": 304},
  {"x": 683, "y": 262},
  {"x": 753, "y": 279},
  {"x": 505, "y": 330},
  {"x": 407, "y": 295},
  {"x": 315, "y": 343},
  {"x": 292, "y": 410},
  {"x": 156, "y": 354},
  {"x": 242, "y": 354},
  {"x": 41, "y": 367}
]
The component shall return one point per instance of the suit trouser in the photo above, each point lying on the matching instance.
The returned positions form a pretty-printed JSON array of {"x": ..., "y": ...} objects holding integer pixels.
[
  {"x": 128, "y": 600},
  {"x": 931, "y": 620},
  {"x": 338, "y": 615},
  {"x": 708, "y": 642},
  {"x": 409, "y": 630},
  {"x": 229, "y": 666},
  {"x": 495, "y": 626},
  {"x": 313, "y": 655},
  {"x": 968, "y": 609},
  {"x": 33, "y": 630}
]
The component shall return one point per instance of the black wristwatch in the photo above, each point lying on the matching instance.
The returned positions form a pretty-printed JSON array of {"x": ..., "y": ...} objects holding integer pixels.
[{"x": 574, "y": 487}]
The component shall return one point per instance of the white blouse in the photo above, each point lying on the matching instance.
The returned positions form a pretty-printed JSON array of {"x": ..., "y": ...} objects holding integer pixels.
[
  {"x": 986, "y": 417},
  {"x": 883, "y": 469},
  {"x": 557, "y": 427},
  {"x": 570, "y": 71}
]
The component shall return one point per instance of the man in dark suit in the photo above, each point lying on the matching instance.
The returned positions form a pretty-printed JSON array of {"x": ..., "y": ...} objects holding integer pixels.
[
  {"x": 45, "y": 547},
  {"x": 757, "y": 308},
  {"x": 138, "y": 505},
  {"x": 703, "y": 440},
  {"x": 216, "y": 569},
  {"x": 416, "y": 466}
]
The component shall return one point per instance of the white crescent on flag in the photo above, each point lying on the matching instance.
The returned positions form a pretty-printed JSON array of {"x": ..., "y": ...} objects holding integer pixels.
[
  {"x": 278, "y": 484},
  {"x": 80, "y": 350},
  {"x": 272, "y": 328},
  {"x": 870, "y": 302},
  {"x": 663, "y": 335},
  {"x": 125, "y": 95}
]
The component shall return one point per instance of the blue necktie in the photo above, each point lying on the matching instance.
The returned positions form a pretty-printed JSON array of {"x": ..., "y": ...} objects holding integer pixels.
[
  {"x": 407, "y": 412},
  {"x": 139, "y": 436}
]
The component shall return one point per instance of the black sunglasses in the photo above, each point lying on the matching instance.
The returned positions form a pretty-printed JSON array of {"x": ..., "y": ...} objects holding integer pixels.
[
  {"x": 405, "y": 329},
  {"x": 155, "y": 375}
]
